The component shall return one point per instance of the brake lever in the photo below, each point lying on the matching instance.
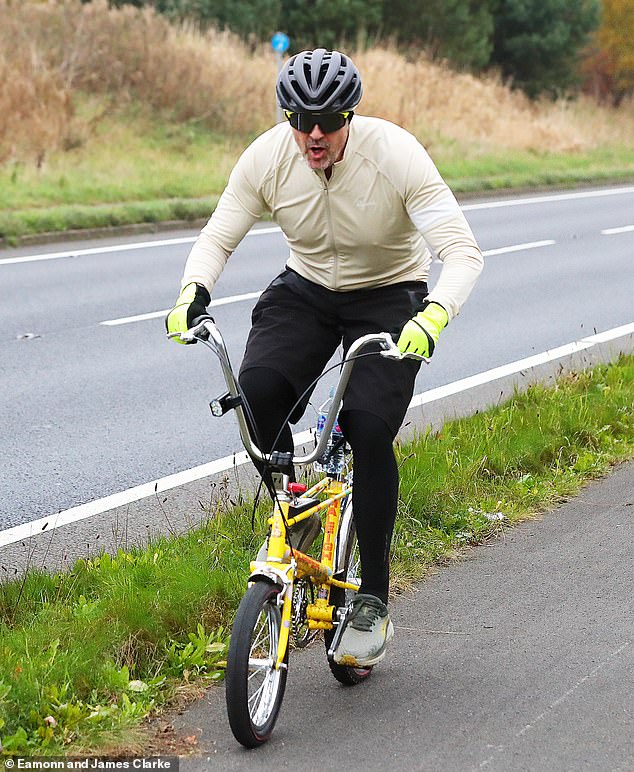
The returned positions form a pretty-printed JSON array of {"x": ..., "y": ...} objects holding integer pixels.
[
  {"x": 185, "y": 337},
  {"x": 196, "y": 332},
  {"x": 399, "y": 356},
  {"x": 391, "y": 351}
]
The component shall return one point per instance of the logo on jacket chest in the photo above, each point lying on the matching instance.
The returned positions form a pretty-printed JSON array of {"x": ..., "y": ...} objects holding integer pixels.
[{"x": 363, "y": 203}]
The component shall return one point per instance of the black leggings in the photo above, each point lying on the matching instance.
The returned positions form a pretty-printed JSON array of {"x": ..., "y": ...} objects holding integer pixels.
[{"x": 375, "y": 491}]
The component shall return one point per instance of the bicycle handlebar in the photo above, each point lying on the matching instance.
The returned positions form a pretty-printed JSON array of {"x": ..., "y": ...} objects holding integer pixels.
[{"x": 205, "y": 329}]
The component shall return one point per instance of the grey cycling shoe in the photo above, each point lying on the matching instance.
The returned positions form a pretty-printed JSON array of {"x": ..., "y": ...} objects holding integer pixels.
[
  {"x": 301, "y": 536},
  {"x": 368, "y": 629}
]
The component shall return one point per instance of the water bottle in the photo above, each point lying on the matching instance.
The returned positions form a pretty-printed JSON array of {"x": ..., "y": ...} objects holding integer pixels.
[{"x": 333, "y": 459}]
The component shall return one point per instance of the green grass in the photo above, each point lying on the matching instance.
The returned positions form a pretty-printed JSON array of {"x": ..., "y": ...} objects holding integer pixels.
[
  {"x": 140, "y": 169},
  {"x": 90, "y": 652},
  {"x": 86, "y": 654},
  {"x": 492, "y": 469},
  {"x": 128, "y": 158},
  {"x": 520, "y": 169},
  {"x": 136, "y": 170}
]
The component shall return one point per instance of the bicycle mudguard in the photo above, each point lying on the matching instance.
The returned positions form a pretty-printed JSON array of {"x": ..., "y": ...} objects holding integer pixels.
[{"x": 282, "y": 577}]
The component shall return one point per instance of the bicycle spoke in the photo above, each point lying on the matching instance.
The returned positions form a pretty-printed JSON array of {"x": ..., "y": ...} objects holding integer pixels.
[
  {"x": 256, "y": 694},
  {"x": 262, "y": 630},
  {"x": 258, "y": 665},
  {"x": 272, "y": 631}
]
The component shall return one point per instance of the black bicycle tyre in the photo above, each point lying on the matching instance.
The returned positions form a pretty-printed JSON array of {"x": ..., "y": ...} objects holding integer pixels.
[
  {"x": 260, "y": 598},
  {"x": 346, "y": 675}
]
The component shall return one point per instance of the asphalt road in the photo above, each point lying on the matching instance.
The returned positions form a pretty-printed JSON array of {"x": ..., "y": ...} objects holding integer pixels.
[
  {"x": 517, "y": 658},
  {"x": 90, "y": 409}
]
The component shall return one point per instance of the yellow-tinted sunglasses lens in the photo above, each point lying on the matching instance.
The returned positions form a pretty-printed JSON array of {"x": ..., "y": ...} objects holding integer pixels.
[{"x": 327, "y": 122}]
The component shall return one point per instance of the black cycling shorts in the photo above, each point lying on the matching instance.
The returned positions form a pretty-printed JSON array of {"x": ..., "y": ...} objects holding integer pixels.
[{"x": 298, "y": 325}]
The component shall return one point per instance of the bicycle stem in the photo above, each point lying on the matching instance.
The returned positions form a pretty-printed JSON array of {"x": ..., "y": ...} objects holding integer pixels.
[{"x": 207, "y": 330}]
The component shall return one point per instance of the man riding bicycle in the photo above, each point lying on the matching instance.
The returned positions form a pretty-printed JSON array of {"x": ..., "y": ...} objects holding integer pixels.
[{"x": 360, "y": 204}]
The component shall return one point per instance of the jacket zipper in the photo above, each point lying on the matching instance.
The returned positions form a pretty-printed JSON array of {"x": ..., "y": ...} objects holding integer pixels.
[{"x": 333, "y": 245}]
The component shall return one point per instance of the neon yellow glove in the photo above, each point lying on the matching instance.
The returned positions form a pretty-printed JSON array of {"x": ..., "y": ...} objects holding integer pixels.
[
  {"x": 420, "y": 334},
  {"x": 191, "y": 303}
]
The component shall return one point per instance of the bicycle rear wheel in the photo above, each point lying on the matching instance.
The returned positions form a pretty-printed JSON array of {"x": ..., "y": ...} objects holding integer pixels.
[
  {"x": 351, "y": 573},
  {"x": 254, "y": 688}
]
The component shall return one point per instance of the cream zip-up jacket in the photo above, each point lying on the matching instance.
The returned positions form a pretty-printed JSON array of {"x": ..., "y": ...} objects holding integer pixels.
[{"x": 372, "y": 223}]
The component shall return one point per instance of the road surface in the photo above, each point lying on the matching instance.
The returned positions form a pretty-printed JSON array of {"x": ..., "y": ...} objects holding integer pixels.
[{"x": 96, "y": 400}]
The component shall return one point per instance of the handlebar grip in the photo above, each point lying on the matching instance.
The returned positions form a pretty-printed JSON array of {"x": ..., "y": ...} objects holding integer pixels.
[
  {"x": 202, "y": 334},
  {"x": 202, "y": 318}
]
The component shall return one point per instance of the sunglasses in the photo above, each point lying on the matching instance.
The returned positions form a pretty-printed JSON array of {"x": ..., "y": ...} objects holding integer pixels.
[{"x": 327, "y": 122}]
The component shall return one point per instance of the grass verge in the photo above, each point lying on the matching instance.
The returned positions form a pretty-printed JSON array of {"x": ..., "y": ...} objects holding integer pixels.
[
  {"x": 62, "y": 219},
  {"x": 524, "y": 169},
  {"x": 140, "y": 169},
  {"x": 86, "y": 654},
  {"x": 489, "y": 173}
]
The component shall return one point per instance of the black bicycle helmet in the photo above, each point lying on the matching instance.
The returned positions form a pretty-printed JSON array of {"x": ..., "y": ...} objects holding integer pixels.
[{"x": 319, "y": 81}]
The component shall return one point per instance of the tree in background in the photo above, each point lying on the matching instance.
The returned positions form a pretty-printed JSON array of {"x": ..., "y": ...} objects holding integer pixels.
[
  {"x": 609, "y": 66},
  {"x": 328, "y": 24},
  {"x": 537, "y": 43},
  {"x": 458, "y": 30},
  {"x": 253, "y": 20}
]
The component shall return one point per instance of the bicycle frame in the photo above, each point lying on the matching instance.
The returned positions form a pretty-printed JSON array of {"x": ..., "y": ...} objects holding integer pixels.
[{"x": 320, "y": 613}]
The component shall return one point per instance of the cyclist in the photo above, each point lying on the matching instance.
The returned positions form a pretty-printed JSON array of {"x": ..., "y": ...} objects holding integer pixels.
[{"x": 360, "y": 204}]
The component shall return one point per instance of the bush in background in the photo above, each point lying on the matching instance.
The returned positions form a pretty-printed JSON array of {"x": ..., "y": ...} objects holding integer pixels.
[
  {"x": 63, "y": 65},
  {"x": 538, "y": 43},
  {"x": 535, "y": 43},
  {"x": 50, "y": 52},
  {"x": 609, "y": 64}
]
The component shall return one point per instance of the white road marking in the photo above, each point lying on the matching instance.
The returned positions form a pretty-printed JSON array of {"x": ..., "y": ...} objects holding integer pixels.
[
  {"x": 158, "y": 314},
  {"x": 99, "y": 506},
  {"x": 496, "y": 373},
  {"x": 548, "y": 199},
  {"x": 519, "y": 247},
  {"x": 252, "y": 295},
  {"x": 613, "y": 231},
  {"x": 121, "y": 247},
  {"x": 95, "y": 250},
  {"x": 275, "y": 229}
]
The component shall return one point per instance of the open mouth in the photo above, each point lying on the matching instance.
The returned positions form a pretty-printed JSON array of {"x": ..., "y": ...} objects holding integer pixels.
[{"x": 316, "y": 152}]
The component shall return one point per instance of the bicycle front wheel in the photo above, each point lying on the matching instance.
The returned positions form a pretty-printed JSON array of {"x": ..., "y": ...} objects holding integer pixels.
[{"x": 254, "y": 688}]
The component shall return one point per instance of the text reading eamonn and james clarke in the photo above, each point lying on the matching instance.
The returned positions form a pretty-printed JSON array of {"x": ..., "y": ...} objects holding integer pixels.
[{"x": 159, "y": 763}]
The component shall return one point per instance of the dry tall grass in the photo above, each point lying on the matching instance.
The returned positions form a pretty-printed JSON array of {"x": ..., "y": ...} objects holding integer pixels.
[
  {"x": 433, "y": 101},
  {"x": 122, "y": 55},
  {"x": 36, "y": 111},
  {"x": 52, "y": 51}
]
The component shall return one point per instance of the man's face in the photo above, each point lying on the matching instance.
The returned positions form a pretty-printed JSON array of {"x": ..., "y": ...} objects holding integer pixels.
[{"x": 321, "y": 150}]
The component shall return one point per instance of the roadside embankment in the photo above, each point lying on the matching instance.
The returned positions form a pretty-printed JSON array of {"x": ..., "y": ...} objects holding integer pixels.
[{"x": 87, "y": 653}]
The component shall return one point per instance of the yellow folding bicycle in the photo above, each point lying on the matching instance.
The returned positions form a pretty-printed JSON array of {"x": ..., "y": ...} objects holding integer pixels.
[{"x": 291, "y": 596}]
